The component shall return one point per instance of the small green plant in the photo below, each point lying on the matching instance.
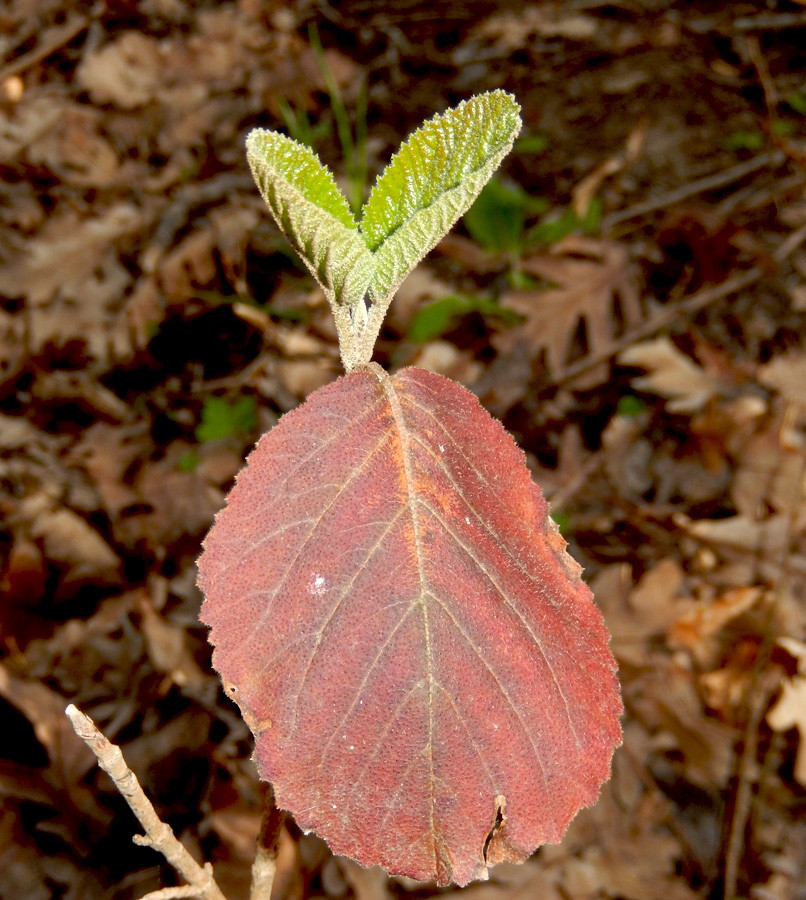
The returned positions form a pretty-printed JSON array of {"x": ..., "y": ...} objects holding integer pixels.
[
  {"x": 797, "y": 101},
  {"x": 630, "y": 406},
  {"x": 744, "y": 140},
  {"x": 300, "y": 127},
  {"x": 532, "y": 144},
  {"x": 428, "y": 185},
  {"x": 554, "y": 228},
  {"x": 434, "y": 319},
  {"x": 497, "y": 220},
  {"x": 221, "y": 419}
]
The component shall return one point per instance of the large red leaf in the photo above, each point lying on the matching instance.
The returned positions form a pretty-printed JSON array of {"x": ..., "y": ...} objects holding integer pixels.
[{"x": 426, "y": 676}]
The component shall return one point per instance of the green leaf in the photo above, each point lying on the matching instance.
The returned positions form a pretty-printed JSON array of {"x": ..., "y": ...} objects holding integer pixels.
[
  {"x": 552, "y": 231},
  {"x": 312, "y": 212},
  {"x": 428, "y": 185},
  {"x": 797, "y": 101},
  {"x": 188, "y": 462},
  {"x": 562, "y": 520},
  {"x": 222, "y": 419},
  {"x": 744, "y": 140},
  {"x": 432, "y": 180},
  {"x": 783, "y": 127},
  {"x": 497, "y": 218},
  {"x": 435, "y": 318},
  {"x": 533, "y": 144},
  {"x": 630, "y": 406}
]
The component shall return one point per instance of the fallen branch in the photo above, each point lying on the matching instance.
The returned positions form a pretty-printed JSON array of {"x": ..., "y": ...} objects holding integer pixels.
[{"x": 158, "y": 836}]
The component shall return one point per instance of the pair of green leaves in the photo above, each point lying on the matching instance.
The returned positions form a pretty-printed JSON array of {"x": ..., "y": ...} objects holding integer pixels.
[{"x": 430, "y": 183}]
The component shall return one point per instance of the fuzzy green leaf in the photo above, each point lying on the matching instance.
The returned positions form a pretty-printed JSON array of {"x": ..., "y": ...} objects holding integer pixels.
[
  {"x": 428, "y": 185},
  {"x": 312, "y": 212},
  {"x": 431, "y": 182}
]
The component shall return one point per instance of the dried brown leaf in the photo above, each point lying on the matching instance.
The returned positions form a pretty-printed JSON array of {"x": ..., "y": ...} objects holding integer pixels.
[
  {"x": 790, "y": 708},
  {"x": 593, "y": 292},
  {"x": 672, "y": 374}
]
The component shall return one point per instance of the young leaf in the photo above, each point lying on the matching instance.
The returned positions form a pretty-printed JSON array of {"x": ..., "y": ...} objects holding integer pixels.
[
  {"x": 425, "y": 674},
  {"x": 220, "y": 418},
  {"x": 427, "y": 186},
  {"x": 313, "y": 214},
  {"x": 431, "y": 181}
]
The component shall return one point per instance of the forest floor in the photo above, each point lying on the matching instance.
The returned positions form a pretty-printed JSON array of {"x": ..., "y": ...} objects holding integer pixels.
[{"x": 631, "y": 304}]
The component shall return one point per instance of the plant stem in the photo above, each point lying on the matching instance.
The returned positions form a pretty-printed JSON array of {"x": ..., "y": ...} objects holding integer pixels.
[{"x": 265, "y": 864}]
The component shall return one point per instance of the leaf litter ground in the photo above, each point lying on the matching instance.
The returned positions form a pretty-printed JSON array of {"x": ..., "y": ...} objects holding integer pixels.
[{"x": 661, "y": 412}]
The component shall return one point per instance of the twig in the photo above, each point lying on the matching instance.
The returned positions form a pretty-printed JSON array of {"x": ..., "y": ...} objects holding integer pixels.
[
  {"x": 265, "y": 865},
  {"x": 172, "y": 893},
  {"x": 763, "y": 72},
  {"x": 53, "y": 39},
  {"x": 770, "y": 22},
  {"x": 662, "y": 320},
  {"x": 158, "y": 835},
  {"x": 763, "y": 687},
  {"x": 700, "y": 186}
]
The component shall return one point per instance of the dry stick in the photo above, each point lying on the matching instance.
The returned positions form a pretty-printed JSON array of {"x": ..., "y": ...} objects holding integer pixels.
[
  {"x": 172, "y": 893},
  {"x": 764, "y": 684},
  {"x": 760, "y": 65},
  {"x": 693, "y": 188},
  {"x": 158, "y": 835},
  {"x": 662, "y": 320},
  {"x": 265, "y": 865},
  {"x": 764, "y": 689},
  {"x": 53, "y": 40}
]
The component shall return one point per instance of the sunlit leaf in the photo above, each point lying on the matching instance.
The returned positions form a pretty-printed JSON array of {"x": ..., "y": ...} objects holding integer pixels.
[
  {"x": 427, "y": 186},
  {"x": 432, "y": 180}
]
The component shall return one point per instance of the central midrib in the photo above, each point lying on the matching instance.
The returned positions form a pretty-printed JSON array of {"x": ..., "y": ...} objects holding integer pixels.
[{"x": 411, "y": 501}]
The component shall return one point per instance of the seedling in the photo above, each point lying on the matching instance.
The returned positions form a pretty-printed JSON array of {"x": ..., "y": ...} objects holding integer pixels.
[
  {"x": 497, "y": 219},
  {"x": 426, "y": 676},
  {"x": 497, "y": 222}
]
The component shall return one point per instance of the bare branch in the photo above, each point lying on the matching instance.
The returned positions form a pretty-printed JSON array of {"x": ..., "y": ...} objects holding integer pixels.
[{"x": 158, "y": 835}]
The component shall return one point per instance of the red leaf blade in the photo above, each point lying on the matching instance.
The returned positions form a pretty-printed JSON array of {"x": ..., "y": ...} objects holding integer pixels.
[{"x": 426, "y": 676}]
